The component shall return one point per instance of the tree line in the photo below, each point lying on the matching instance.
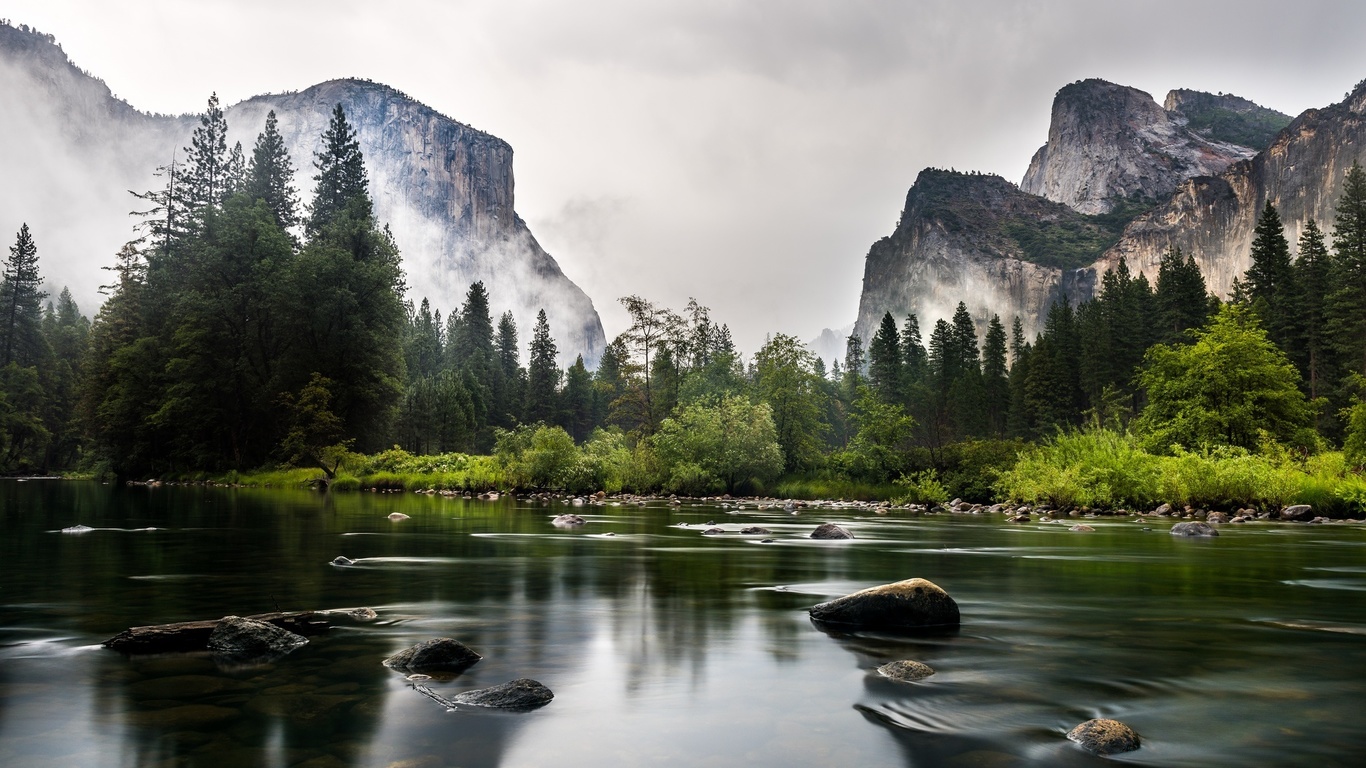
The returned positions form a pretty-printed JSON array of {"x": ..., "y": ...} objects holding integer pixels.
[{"x": 245, "y": 329}]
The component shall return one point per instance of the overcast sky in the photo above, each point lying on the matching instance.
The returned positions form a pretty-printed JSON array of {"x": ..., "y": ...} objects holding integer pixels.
[{"x": 745, "y": 153}]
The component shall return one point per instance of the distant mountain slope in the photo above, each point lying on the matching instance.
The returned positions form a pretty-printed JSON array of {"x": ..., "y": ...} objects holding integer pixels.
[{"x": 72, "y": 151}]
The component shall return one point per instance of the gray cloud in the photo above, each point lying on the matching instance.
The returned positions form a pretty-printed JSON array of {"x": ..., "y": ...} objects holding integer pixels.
[{"x": 746, "y": 153}]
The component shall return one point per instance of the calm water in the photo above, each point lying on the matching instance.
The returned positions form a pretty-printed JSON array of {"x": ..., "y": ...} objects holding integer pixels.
[{"x": 664, "y": 646}]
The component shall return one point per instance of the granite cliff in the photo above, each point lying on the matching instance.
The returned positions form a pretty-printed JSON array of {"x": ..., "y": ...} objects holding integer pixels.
[
  {"x": 445, "y": 188},
  {"x": 1110, "y": 143}
]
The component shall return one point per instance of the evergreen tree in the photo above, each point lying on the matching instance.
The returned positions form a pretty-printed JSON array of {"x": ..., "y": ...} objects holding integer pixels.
[
  {"x": 1312, "y": 282},
  {"x": 543, "y": 377},
  {"x": 995, "y": 377},
  {"x": 21, "y": 302},
  {"x": 343, "y": 187},
  {"x": 270, "y": 177},
  {"x": 1180, "y": 301},
  {"x": 1270, "y": 279},
  {"x": 885, "y": 361},
  {"x": 206, "y": 175},
  {"x": 1347, "y": 302}
]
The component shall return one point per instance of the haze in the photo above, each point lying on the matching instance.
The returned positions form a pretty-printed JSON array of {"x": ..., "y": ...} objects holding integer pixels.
[{"x": 747, "y": 154}]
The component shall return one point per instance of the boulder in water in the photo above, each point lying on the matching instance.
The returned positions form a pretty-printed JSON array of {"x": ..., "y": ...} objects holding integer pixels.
[
  {"x": 905, "y": 671},
  {"x": 830, "y": 531},
  {"x": 523, "y": 693},
  {"x": 243, "y": 640},
  {"x": 443, "y": 653},
  {"x": 1193, "y": 529},
  {"x": 1105, "y": 737},
  {"x": 910, "y": 605},
  {"x": 1301, "y": 513}
]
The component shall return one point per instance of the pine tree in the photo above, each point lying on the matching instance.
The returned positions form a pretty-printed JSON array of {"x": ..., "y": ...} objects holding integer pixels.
[
  {"x": 21, "y": 302},
  {"x": 1180, "y": 301},
  {"x": 995, "y": 377},
  {"x": 543, "y": 377},
  {"x": 1270, "y": 279},
  {"x": 1312, "y": 282},
  {"x": 1347, "y": 303},
  {"x": 343, "y": 187},
  {"x": 885, "y": 361},
  {"x": 270, "y": 177},
  {"x": 206, "y": 175}
]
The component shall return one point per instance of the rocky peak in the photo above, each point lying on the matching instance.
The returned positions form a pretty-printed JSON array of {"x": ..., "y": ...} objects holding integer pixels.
[
  {"x": 1110, "y": 143},
  {"x": 1228, "y": 118}
]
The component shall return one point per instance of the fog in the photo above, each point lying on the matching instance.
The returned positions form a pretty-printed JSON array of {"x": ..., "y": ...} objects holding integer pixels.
[{"x": 747, "y": 154}]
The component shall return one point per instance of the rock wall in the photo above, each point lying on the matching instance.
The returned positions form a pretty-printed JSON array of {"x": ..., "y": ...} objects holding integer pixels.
[
  {"x": 445, "y": 189},
  {"x": 1108, "y": 143},
  {"x": 1212, "y": 218}
]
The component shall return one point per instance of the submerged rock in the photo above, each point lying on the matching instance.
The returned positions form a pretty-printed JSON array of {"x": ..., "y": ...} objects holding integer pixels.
[
  {"x": 1302, "y": 513},
  {"x": 443, "y": 653},
  {"x": 830, "y": 531},
  {"x": 1193, "y": 529},
  {"x": 913, "y": 604},
  {"x": 905, "y": 671},
  {"x": 1105, "y": 737},
  {"x": 522, "y": 693},
  {"x": 242, "y": 640},
  {"x": 566, "y": 521}
]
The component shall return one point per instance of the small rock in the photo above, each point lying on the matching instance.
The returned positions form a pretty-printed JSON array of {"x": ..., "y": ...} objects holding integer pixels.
[
  {"x": 755, "y": 531},
  {"x": 908, "y": 605},
  {"x": 342, "y": 560},
  {"x": 830, "y": 531},
  {"x": 1300, "y": 513},
  {"x": 239, "y": 639},
  {"x": 523, "y": 693},
  {"x": 1082, "y": 528},
  {"x": 1105, "y": 737},
  {"x": 565, "y": 521},
  {"x": 1193, "y": 529},
  {"x": 396, "y": 516},
  {"x": 442, "y": 653},
  {"x": 905, "y": 671}
]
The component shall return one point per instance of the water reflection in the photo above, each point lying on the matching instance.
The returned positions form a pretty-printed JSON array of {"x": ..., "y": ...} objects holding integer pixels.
[{"x": 661, "y": 644}]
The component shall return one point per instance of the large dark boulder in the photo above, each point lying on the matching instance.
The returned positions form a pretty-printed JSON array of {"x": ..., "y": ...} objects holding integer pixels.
[
  {"x": 830, "y": 531},
  {"x": 441, "y": 654},
  {"x": 1193, "y": 529},
  {"x": 910, "y": 605},
  {"x": 1105, "y": 737},
  {"x": 1301, "y": 513},
  {"x": 523, "y": 693},
  {"x": 246, "y": 640}
]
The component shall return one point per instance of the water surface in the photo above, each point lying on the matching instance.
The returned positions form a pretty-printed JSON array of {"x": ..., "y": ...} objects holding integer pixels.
[{"x": 664, "y": 646}]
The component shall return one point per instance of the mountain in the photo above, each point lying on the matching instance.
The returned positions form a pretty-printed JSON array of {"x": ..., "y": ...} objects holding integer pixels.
[
  {"x": 1212, "y": 218},
  {"x": 72, "y": 151},
  {"x": 1110, "y": 143},
  {"x": 980, "y": 239},
  {"x": 1120, "y": 177}
]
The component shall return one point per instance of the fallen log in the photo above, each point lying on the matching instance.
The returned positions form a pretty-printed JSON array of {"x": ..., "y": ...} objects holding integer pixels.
[{"x": 194, "y": 635}]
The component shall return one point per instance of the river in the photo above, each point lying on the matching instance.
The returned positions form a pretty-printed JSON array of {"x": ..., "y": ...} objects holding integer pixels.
[{"x": 664, "y": 646}]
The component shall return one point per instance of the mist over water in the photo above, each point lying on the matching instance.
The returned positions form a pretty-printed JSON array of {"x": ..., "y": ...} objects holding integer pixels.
[{"x": 663, "y": 645}]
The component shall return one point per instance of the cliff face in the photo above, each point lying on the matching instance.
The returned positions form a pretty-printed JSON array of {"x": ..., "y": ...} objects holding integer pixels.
[
  {"x": 445, "y": 189},
  {"x": 1108, "y": 143},
  {"x": 1212, "y": 218},
  {"x": 966, "y": 237}
]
